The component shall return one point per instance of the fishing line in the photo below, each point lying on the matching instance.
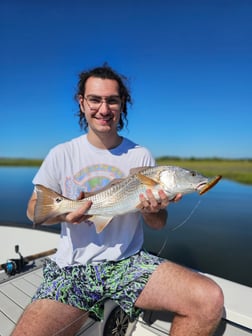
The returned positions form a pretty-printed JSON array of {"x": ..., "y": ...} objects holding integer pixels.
[
  {"x": 162, "y": 247},
  {"x": 187, "y": 218},
  {"x": 70, "y": 324},
  {"x": 179, "y": 226},
  {"x": 86, "y": 313}
]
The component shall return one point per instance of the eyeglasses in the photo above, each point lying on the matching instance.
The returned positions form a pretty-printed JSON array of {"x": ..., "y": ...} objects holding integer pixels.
[{"x": 95, "y": 102}]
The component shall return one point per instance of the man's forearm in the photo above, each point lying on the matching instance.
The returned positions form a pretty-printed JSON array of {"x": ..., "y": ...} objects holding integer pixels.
[{"x": 156, "y": 220}]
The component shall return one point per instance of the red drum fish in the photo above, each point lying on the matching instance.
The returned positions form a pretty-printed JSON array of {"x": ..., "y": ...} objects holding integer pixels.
[{"x": 121, "y": 196}]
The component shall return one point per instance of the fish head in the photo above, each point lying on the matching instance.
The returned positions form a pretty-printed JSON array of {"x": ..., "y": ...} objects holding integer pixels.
[{"x": 176, "y": 180}]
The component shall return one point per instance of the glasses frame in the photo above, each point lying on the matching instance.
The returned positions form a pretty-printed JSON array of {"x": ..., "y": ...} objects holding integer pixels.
[{"x": 112, "y": 106}]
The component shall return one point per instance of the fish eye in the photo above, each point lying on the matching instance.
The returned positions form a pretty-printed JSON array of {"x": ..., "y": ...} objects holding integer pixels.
[{"x": 193, "y": 173}]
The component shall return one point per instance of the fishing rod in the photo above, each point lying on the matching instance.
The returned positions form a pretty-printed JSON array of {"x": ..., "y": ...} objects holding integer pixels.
[{"x": 16, "y": 265}]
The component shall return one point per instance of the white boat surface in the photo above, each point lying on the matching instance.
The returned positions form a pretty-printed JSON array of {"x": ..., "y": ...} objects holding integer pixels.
[{"x": 16, "y": 292}]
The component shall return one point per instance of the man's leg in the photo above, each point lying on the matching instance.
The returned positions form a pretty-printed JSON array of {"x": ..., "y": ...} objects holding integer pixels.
[
  {"x": 48, "y": 318},
  {"x": 196, "y": 300}
]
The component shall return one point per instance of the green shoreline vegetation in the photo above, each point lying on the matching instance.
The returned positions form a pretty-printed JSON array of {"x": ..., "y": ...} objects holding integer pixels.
[{"x": 239, "y": 170}]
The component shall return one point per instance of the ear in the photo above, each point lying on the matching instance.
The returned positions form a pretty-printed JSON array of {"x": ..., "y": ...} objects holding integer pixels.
[{"x": 81, "y": 103}]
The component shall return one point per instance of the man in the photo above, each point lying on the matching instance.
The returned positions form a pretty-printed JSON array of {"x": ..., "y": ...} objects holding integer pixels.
[{"x": 89, "y": 267}]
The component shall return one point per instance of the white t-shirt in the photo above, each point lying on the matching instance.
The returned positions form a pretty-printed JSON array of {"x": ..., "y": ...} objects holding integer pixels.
[{"x": 77, "y": 166}]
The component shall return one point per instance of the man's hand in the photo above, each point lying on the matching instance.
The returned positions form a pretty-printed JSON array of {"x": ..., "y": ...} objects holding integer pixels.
[
  {"x": 154, "y": 212},
  {"x": 148, "y": 203},
  {"x": 78, "y": 216}
]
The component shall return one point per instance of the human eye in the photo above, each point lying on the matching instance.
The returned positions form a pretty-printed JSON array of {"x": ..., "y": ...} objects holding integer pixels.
[
  {"x": 113, "y": 101},
  {"x": 94, "y": 100}
]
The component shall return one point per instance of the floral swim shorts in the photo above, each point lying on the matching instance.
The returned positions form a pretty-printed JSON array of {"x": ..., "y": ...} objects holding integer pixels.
[{"x": 87, "y": 287}]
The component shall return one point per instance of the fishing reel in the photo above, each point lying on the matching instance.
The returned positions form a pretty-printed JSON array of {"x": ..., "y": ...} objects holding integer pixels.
[{"x": 14, "y": 266}]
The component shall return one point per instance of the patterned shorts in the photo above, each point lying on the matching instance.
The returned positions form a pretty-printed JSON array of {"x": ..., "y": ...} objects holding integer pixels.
[{"x": 87, "y": 287}]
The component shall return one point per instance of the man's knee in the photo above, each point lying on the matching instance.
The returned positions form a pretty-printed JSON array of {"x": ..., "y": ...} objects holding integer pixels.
[
  {"x": 217, "y": 298},
  {"x": 212, "y": 300}
]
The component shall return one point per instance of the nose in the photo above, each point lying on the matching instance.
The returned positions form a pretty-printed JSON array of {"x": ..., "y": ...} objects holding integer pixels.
[{"x": 104, "y": 107}]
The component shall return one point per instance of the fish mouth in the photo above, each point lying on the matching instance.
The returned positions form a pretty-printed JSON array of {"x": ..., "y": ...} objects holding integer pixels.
[{"x": 204, "y": 187}]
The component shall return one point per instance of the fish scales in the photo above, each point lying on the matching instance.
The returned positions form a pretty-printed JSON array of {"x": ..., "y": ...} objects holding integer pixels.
[{"x": 122, "y": 196}]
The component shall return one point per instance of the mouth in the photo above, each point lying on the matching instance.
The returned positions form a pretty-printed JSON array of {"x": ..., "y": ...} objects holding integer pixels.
[
  {"x": 104, "y": 120},
  {"x": 204, "y": 187}
]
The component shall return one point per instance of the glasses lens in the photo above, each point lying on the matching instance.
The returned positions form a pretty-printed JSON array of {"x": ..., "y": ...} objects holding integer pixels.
[
  {"x": 95, "y": 102},
  {"x": 113, "y": 101}
]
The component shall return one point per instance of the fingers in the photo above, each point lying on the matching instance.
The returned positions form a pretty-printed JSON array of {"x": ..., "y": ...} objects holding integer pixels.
[
  {"x": 150, "y": 204},
  {"x": 177, "y": 198},
  {"x": 78, "y": 215}
]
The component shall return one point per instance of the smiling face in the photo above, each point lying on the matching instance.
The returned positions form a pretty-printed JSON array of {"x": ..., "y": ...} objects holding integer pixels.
[{"x": 101, "y": 105}]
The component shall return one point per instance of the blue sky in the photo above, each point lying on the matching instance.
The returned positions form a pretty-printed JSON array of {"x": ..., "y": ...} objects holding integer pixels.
[{"x": 189, "y": 64}]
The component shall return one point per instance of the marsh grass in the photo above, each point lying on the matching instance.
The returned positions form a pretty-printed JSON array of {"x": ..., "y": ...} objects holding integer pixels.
[
  {"x": 12, "y": 162},
  {"x": 236, "y": 170}
]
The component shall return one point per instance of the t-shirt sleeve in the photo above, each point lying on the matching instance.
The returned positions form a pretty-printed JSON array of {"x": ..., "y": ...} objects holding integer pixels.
[{"x": 49, "y": 172}]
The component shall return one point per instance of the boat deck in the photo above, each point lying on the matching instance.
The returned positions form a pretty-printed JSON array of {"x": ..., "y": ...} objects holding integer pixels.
[{"x": 15, "y": 295}]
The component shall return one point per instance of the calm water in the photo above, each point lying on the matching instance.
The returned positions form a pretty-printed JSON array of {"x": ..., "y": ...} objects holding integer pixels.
[{"x": 216, "y": 235}]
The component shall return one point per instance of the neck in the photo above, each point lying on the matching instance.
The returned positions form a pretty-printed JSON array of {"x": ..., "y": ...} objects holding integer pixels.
[{"x": 103, "y": 141}]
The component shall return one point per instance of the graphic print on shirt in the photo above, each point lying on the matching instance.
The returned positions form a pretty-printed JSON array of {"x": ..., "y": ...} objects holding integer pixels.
[{"x": 91, "y": 178}]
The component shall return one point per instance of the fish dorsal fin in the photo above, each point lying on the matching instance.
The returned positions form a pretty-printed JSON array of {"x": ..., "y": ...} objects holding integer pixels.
[
  {"x": 108, "y": 186},
  {"x": 100, "y": 222},
  {"x": 89, "y": 193},
  {"x": 137, "y": 170},
  {"x": 113, "y": 182},
  {"x": 147, "y": 180}
]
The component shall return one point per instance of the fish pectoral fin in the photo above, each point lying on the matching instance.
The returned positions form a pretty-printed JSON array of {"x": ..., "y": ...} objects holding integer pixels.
[
  {"x": 100, "y": 222},
  {"x": 147, "y": 180}
]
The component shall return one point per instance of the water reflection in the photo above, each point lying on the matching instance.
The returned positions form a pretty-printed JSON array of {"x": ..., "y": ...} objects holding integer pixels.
[{"x": 216, "y": 238}]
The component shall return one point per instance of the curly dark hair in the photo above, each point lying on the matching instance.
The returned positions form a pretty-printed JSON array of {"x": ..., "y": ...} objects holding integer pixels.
[{"x": 104, "y": 72}]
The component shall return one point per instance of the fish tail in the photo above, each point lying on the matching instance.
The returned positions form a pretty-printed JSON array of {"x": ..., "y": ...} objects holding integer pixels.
[{"x": 47, "y": 204}]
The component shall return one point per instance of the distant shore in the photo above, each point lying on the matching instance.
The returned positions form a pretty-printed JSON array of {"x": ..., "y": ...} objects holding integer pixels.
[
  {"x": 20, "y": 162},
  {"x": 239, "y": 170},
  {"x": 231, "y": 169}
]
